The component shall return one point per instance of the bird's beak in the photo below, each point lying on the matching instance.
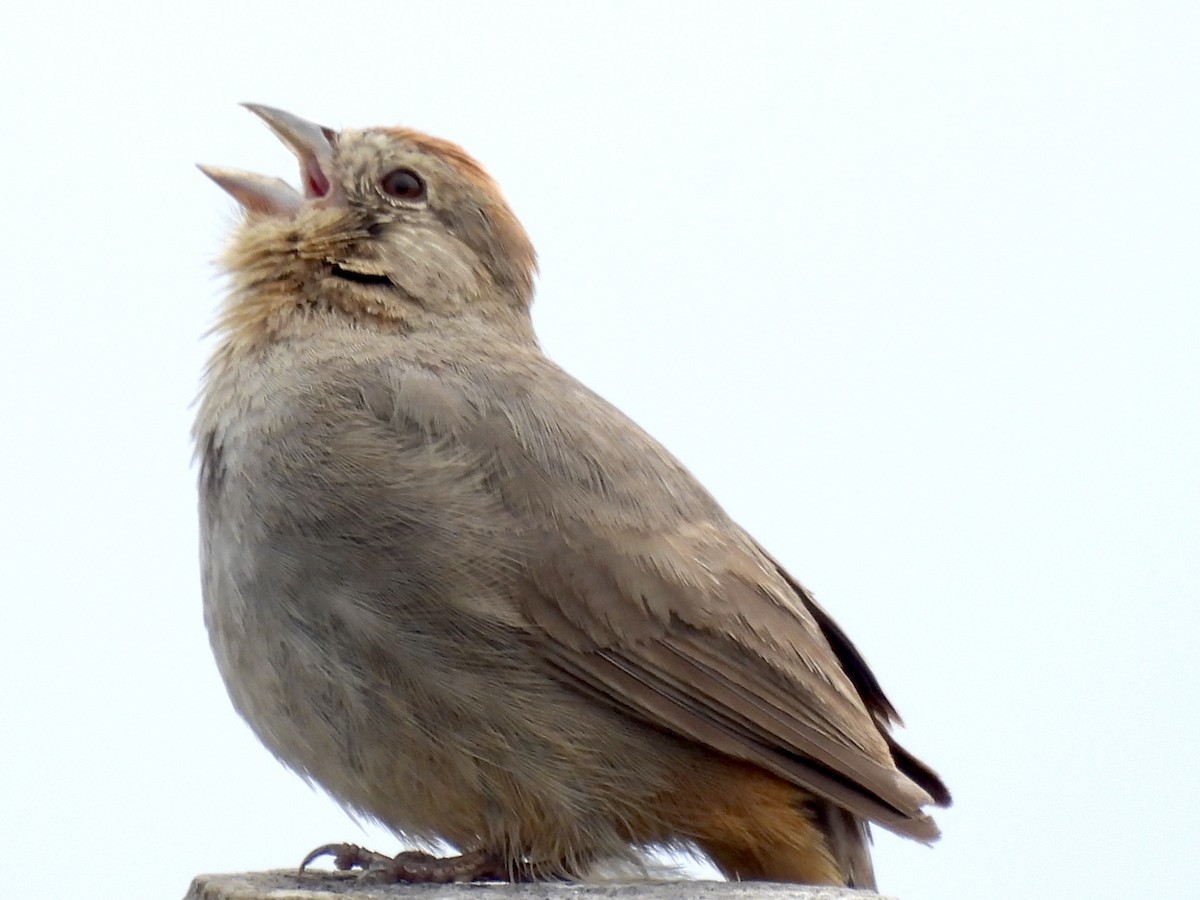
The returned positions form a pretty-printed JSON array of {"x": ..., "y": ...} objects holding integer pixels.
[
  {"x": 259, "y": 193},
  {"x": 313, "y": 145}
]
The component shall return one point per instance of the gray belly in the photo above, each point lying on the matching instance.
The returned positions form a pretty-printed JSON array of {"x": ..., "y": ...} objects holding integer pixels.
[{"x": 381, "y": 682}]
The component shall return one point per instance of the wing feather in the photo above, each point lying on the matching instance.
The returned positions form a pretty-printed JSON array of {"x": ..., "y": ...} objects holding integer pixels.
[
  {"x": 641, "y": 591},
  {"x": 682, "y": 637}
]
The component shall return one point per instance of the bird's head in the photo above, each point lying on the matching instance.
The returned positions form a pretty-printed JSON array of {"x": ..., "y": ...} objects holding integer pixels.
[{"x": 392, "y": 226}]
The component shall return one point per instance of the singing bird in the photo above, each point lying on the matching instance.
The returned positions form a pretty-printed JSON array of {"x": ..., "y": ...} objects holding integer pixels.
[{"x": 471, "y": 599}]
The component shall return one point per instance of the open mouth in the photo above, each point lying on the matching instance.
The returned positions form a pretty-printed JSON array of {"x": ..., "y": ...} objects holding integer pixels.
[{"x": 313, "y": 146}]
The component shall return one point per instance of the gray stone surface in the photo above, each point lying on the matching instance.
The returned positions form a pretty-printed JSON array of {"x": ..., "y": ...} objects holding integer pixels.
[{"x": 289, "y": 885}]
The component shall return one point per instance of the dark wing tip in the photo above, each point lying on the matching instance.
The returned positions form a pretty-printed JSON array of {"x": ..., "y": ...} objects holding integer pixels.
[
  {"x": 872, "y": 695},
  {"x": 924, "y": 776}
]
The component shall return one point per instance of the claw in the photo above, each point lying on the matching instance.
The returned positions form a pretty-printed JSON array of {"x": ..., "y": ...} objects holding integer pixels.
[
  {"x": 346, "y": 857},
  {"x": 413, "y": 866}
]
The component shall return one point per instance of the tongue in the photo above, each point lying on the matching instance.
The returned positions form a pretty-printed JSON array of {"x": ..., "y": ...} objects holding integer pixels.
[{"x": 315, "y": 182}]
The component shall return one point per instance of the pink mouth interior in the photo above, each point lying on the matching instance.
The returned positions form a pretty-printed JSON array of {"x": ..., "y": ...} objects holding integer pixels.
[{"x": 315, "y": 182}]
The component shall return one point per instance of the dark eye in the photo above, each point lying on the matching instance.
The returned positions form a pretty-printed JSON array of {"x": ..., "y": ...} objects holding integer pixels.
[{"x": 403, "y": 184}]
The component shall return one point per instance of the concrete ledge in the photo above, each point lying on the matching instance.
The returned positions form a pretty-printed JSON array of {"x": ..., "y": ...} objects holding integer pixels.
[{"x": 289, "y": 885}]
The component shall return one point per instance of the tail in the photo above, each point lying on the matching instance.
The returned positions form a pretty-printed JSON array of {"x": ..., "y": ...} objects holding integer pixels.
[{"x": 849, "y": 840}]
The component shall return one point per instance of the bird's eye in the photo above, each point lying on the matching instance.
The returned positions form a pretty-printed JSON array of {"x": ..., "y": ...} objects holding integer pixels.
[{"x": 403, "y": 184}]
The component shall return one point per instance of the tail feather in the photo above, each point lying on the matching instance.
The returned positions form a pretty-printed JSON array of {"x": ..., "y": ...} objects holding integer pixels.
[{"x": 849, "y": 839}]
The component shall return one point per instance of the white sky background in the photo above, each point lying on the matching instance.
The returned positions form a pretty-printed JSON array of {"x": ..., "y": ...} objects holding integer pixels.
[{"x": 912, "y": 288}]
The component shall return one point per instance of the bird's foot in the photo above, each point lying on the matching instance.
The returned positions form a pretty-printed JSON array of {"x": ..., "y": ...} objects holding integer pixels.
[{"x": 415, "y": 867}]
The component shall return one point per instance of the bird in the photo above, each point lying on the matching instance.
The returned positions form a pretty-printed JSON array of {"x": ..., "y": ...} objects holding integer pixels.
[{"x": 469, "y": 598}]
